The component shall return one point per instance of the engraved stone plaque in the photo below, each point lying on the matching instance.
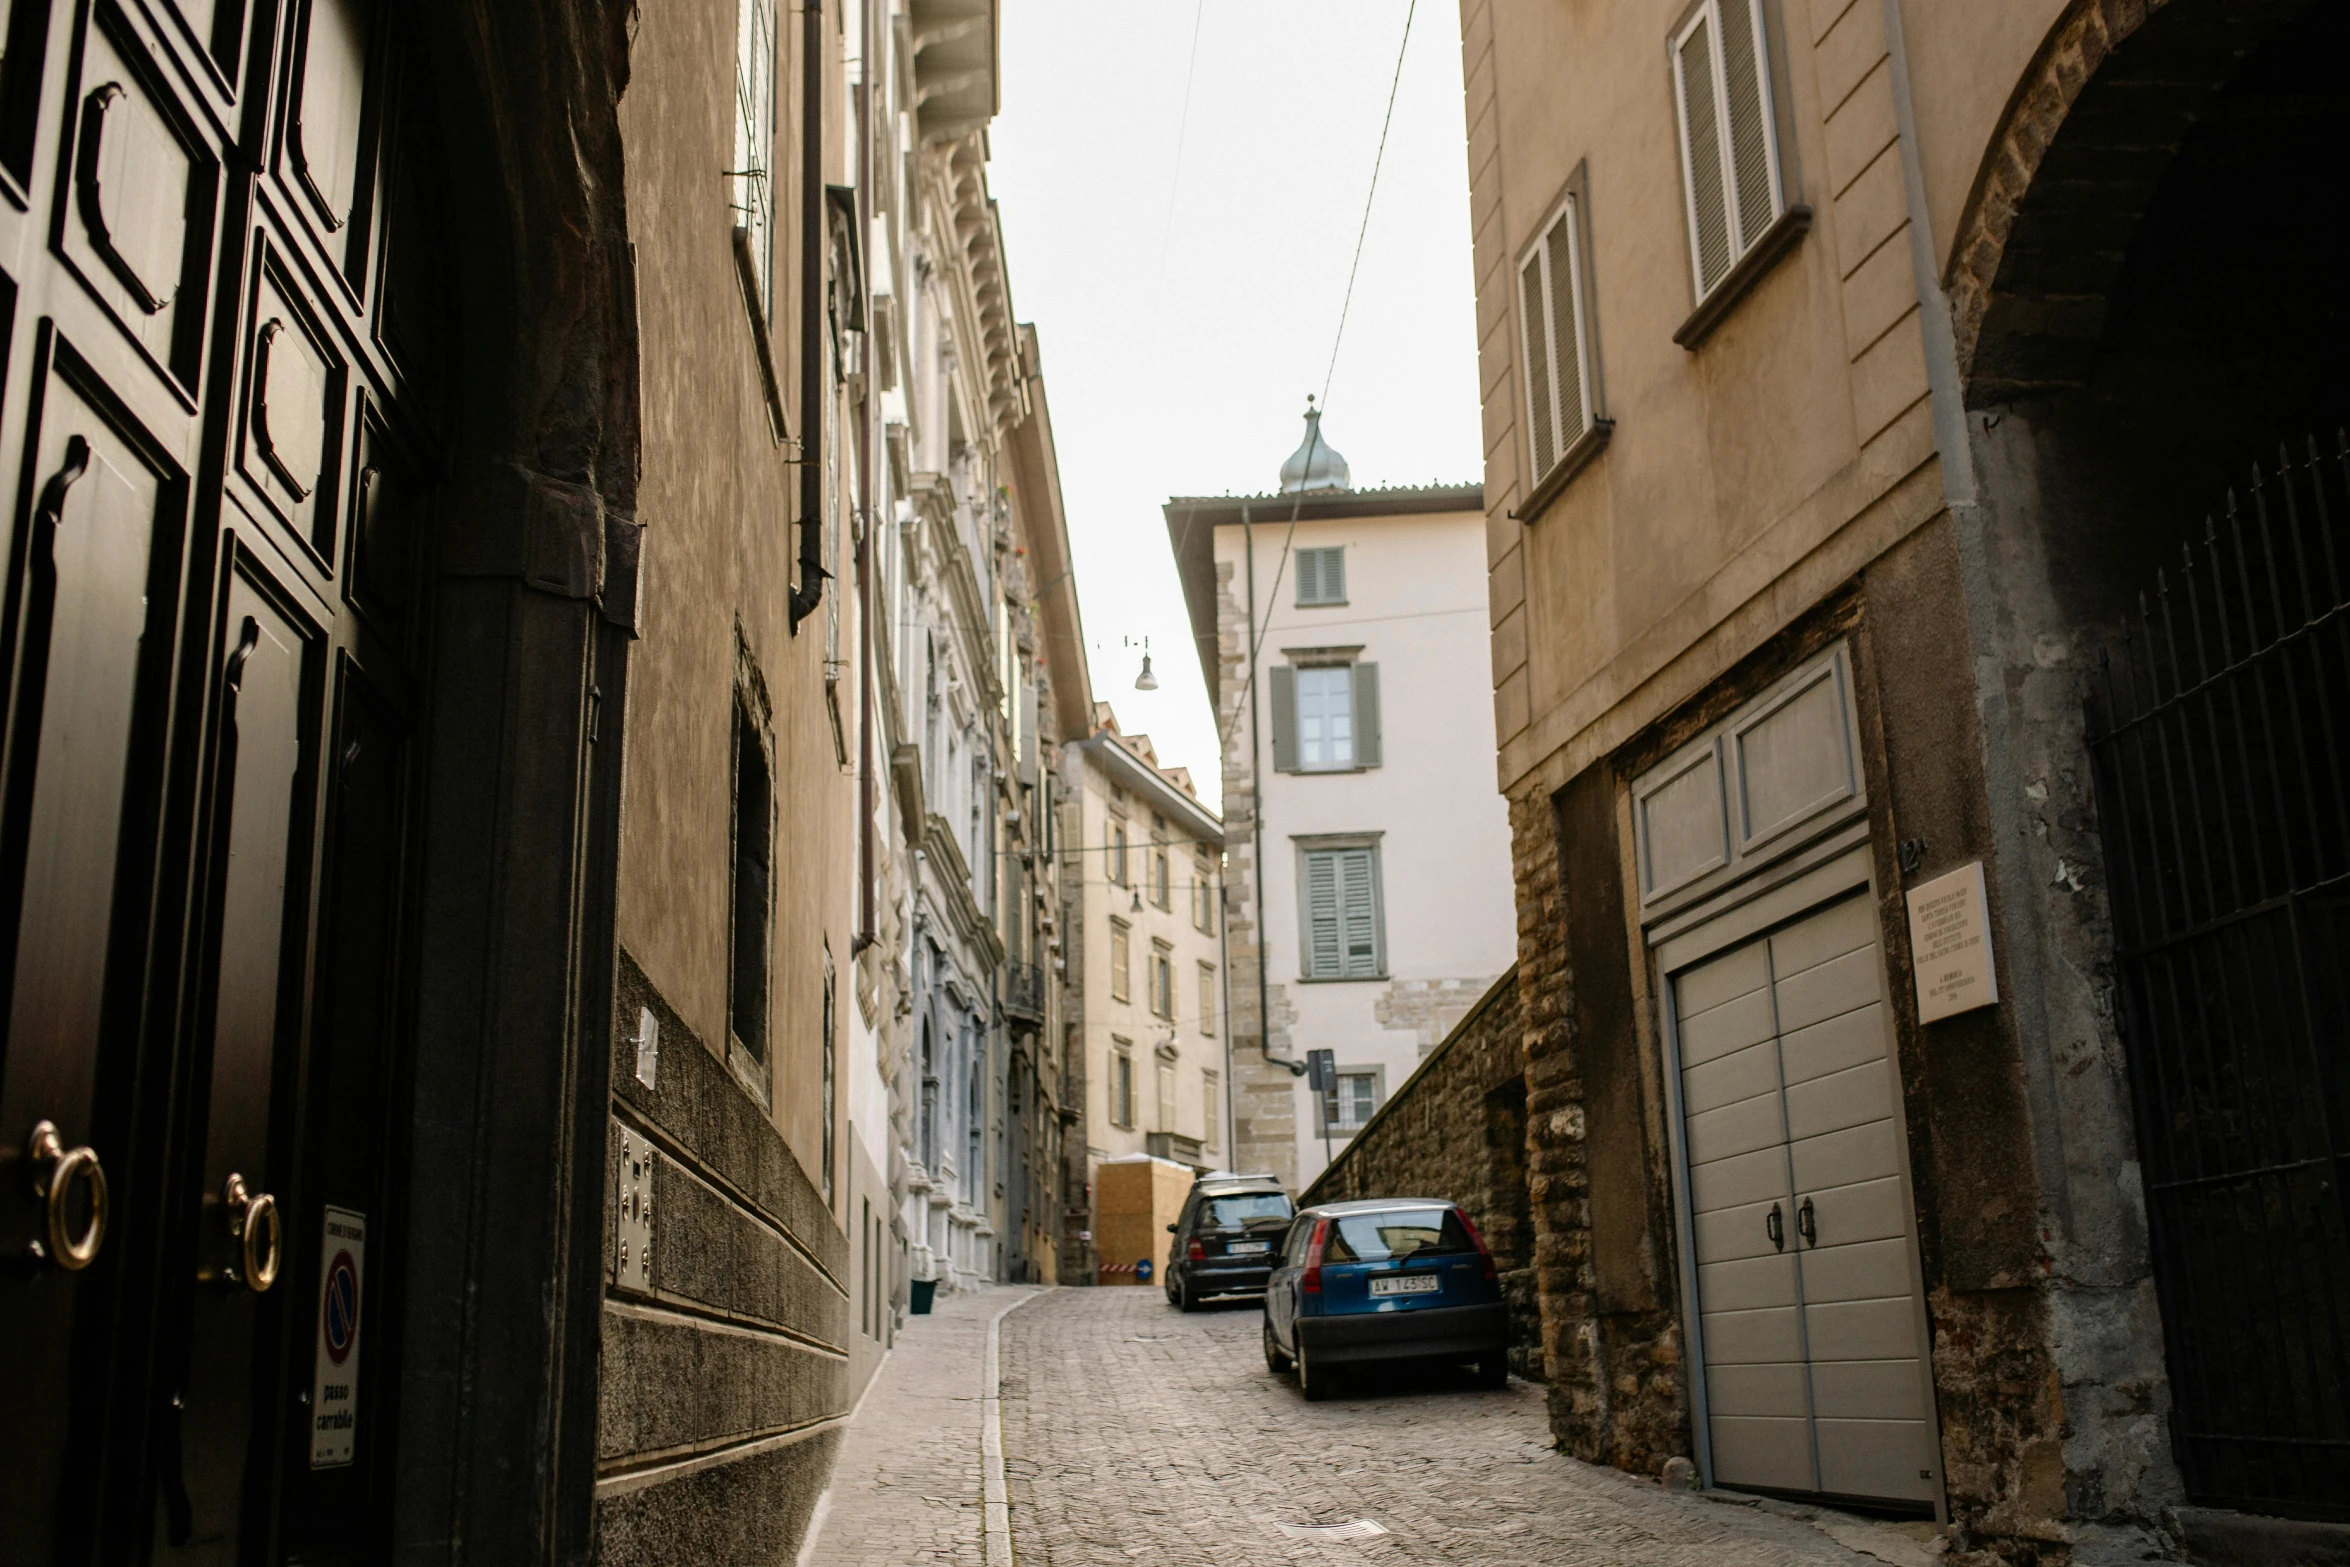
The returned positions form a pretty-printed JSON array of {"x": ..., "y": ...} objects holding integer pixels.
[{"x": 1950, "y": 944}]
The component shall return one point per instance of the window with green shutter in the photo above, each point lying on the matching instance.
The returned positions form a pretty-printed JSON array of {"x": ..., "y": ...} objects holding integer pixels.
[
  {"x": 1729, "y": 146},
  {"x": 1342, "y": 935},
  {"x": 1325, "y": 717},
  {"x": 1321, "y": 575}
]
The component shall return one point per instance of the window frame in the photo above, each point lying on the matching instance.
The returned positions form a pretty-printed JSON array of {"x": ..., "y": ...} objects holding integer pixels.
[
  {"x": 1162, "y": 875},
  {"x": 1572, "y": 210},
  {"x": 1162, "y": 979},
  {"x": 1207, "y": 999},
  {"x": 1748, "y": 258},
  {"x": 1122, "y": 1105},
  {"x": 1321, "y": 600},
  {"x": 1346, "y": 670},
  {"x": 1121, "y": 960}
]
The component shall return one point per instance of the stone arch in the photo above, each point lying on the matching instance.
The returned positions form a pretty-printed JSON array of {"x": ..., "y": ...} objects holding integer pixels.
[{"x": 2086, "y": 140}]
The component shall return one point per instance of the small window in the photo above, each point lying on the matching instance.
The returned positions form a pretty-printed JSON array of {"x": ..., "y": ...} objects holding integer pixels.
[
  {"x": 1341, "y": 908},
  {"x": 1163, "y": 980},
  {"x": 1203, "y": 895},
  {"x": 750, "y": 184},
  {"x": 1166, "y": 1096},
  {"x": 1211, "y": 1100},
  {"x": 1559, "y": 390},
  {"x": 1162, "y": 878},
  {"x": 1118, "y": 853},
  {"x": 1207, "y": 999},
  {"x": 1358, "y": 1096},
  {"x": 1729, "y": 148},
  {"x": 1321, "y": 575},
  {"x": 1121, "y": 958},
  {"x": 1121, "y": 1083},
  {"x": 1325, "y": 717},
  {"x": 751, "y": 894}
]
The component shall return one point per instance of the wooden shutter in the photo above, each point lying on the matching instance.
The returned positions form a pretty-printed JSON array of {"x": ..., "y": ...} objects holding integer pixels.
[
  {"x": 1701, "y": 152},
  {"x": 1533, "y": 309},
  {"x": 1309, "y": 576},
  {"x": 1366, "y": 695},
  {"x": 1284, "y": 718},
  {"x": 1359, "y": 910},
  {"x": 1333, "y": 575},
  {"x": 1325, "y": 948},
  {"x": 1561, "y": 260},
  {"x": 1750, "y": 136}
]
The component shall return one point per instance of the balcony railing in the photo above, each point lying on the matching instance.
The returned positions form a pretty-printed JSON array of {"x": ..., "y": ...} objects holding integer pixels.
[{"x": 1024, "y": 992}]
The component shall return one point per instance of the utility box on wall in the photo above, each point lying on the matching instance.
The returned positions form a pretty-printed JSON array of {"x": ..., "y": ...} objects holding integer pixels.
[{"x": 1135, "y": 1198}]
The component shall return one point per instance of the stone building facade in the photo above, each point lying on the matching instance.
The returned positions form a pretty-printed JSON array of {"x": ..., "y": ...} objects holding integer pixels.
[
  {"x": 1141, "y": 887},
  {"x": 1859, "y": 376},
  {"x": 1368, "y": 872}
]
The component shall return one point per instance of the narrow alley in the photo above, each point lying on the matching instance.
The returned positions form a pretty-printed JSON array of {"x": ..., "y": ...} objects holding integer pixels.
[{"x": 1134, "y": 1432}]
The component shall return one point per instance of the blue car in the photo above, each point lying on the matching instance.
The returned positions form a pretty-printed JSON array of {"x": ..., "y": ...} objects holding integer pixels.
[{"x": 1396, "y": 1278}]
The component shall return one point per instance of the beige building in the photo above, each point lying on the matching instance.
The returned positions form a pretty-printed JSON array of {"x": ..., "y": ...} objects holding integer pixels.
[
  {"x": 1337, "y": 629},
  {"x": 1142, "y": 884},
  {"x": 1858, "y": 375}
]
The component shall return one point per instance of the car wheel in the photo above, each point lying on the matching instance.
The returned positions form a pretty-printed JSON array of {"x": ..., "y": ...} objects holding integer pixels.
[
  {"x": 1493, "y": 1371},
  {"x": 1275, "y": 1361},
  {"x": 1311, "y": 1381},
  {"x": 1183, "y": 1298}
]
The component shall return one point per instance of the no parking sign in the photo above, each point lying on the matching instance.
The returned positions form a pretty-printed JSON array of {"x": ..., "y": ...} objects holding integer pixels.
[{"x": 334, "y": 1391}]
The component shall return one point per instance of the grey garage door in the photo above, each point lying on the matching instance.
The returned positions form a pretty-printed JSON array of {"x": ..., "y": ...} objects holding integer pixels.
[{"x": 1809, "y": 1315}]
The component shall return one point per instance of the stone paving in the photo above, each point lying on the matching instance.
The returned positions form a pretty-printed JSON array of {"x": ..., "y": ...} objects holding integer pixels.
[
  {"x": 907, "y": 1486},
  {"x": 1135, "y": 1433}
]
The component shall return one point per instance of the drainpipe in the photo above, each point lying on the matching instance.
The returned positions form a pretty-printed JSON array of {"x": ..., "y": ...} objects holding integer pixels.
[
  {"x": 813, "y": 228},
  {"x": 1256, "y": 810},
  {"x": 867, "y": 917}
]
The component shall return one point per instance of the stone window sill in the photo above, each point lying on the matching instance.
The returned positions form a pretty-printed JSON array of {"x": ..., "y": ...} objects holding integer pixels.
[
  {"x": 1572, "y": 461},
  {"x": 1777, "y": 240}
]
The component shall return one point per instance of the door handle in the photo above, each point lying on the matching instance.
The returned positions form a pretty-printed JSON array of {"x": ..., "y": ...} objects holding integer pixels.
[
  {"x": 56, "y": 1171},
  {"x": 1806, "y": 1223},
  {"x": 249, "y": 1213},
  {"x": 1775, "y": 1225}
]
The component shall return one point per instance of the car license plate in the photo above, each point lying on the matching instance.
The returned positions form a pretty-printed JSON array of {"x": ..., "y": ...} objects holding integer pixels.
[
  {"x": 1407, "y": 1284},
  {"x": 1248, "y": 1248}
]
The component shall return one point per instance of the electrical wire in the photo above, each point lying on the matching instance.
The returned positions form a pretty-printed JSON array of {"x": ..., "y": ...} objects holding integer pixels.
[{"x": 1330, "y": 373}]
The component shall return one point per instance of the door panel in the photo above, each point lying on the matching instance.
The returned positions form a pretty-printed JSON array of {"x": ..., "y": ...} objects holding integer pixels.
[
  {"x": 1813, "y": 1357},
  {"x": 89, "y": 613},
  {"x": 254, "y": 815}
]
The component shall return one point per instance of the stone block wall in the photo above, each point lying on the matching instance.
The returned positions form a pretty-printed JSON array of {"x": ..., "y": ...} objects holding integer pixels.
[{"x": 1456, "y": 1129}]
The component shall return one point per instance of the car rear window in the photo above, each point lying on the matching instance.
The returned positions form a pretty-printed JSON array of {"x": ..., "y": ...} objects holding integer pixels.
[
  {"x": 1245, "y": 1210},
  {"x": 1398, "y": 1233}
]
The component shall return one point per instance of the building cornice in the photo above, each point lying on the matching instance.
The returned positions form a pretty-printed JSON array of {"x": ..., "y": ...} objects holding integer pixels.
[{"x": 1136, "y": 774}]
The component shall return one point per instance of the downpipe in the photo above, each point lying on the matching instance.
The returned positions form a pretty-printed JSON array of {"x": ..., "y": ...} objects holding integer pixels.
[{"x": 810, "y": 592}]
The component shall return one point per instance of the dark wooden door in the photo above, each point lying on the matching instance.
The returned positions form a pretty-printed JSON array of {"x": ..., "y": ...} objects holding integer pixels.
[{"x": 218, "y": 449}]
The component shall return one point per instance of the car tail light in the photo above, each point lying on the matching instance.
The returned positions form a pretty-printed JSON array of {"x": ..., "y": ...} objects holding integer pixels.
[
  {"x": 1311, "y": 1280},
  {"x": 1195, "y": 1251},
  {"x": 1483, "y": 1250}
]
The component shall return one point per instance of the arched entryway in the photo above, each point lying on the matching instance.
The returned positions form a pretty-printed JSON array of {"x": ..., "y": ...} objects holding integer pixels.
[{"x": 2148, "y": 303}]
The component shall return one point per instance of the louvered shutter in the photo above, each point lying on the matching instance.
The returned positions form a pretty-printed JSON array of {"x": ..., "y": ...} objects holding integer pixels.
[
  {"x": 1333, "y": 575},
  {"x": 1309, "y": 576},
  {"x": 1701, "y": 152},
  {"x": 1566, "y": 315},
  {"x": 1325, "y": 950},
  {"x": 1750, "y": 137},
  {"x": 1284, "y": 718},
  {"x": 1366, "y": 703},
  {"x": 1533, "y": 304},
  {"x": 1358, "y": 905}
]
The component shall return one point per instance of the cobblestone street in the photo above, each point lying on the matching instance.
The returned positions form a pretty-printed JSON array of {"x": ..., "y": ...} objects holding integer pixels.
[{"x": 1132, "y": 1432}]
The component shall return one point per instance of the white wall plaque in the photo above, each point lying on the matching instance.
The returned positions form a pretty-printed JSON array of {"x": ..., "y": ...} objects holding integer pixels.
[
  {"x": 334, "y": 1389},
  {"x": 1950, "y": 944}
]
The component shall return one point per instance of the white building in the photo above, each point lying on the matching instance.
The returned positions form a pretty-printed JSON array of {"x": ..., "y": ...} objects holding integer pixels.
[
  {"x": 1141, "y": 877},
  {"x": 1344, "y": 634}
]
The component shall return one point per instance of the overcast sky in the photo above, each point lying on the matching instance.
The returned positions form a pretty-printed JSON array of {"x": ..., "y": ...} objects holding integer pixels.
[{"x": 1185, "y": 313}]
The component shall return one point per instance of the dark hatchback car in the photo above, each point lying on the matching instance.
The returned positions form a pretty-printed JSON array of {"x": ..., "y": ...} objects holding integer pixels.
[
  {"x": 1225, "y": 1240},
  {"x": 1388, "y": 1279}
]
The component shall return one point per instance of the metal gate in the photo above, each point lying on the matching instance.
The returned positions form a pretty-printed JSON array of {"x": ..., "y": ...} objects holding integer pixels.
[{"x": 2221, "y": 747}]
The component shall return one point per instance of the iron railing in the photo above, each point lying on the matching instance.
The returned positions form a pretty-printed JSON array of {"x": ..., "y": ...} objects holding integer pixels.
[
  {"x": 2221, "y": 754},
  {"x": 1024, "y": 992}
]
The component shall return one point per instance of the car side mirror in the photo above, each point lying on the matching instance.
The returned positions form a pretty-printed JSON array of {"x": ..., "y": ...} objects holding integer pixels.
[{"x": 1170, "y": 1229}]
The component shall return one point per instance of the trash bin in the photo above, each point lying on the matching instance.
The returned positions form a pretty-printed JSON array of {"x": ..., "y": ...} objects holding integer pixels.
[{"x": 924, "y": 1289}]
